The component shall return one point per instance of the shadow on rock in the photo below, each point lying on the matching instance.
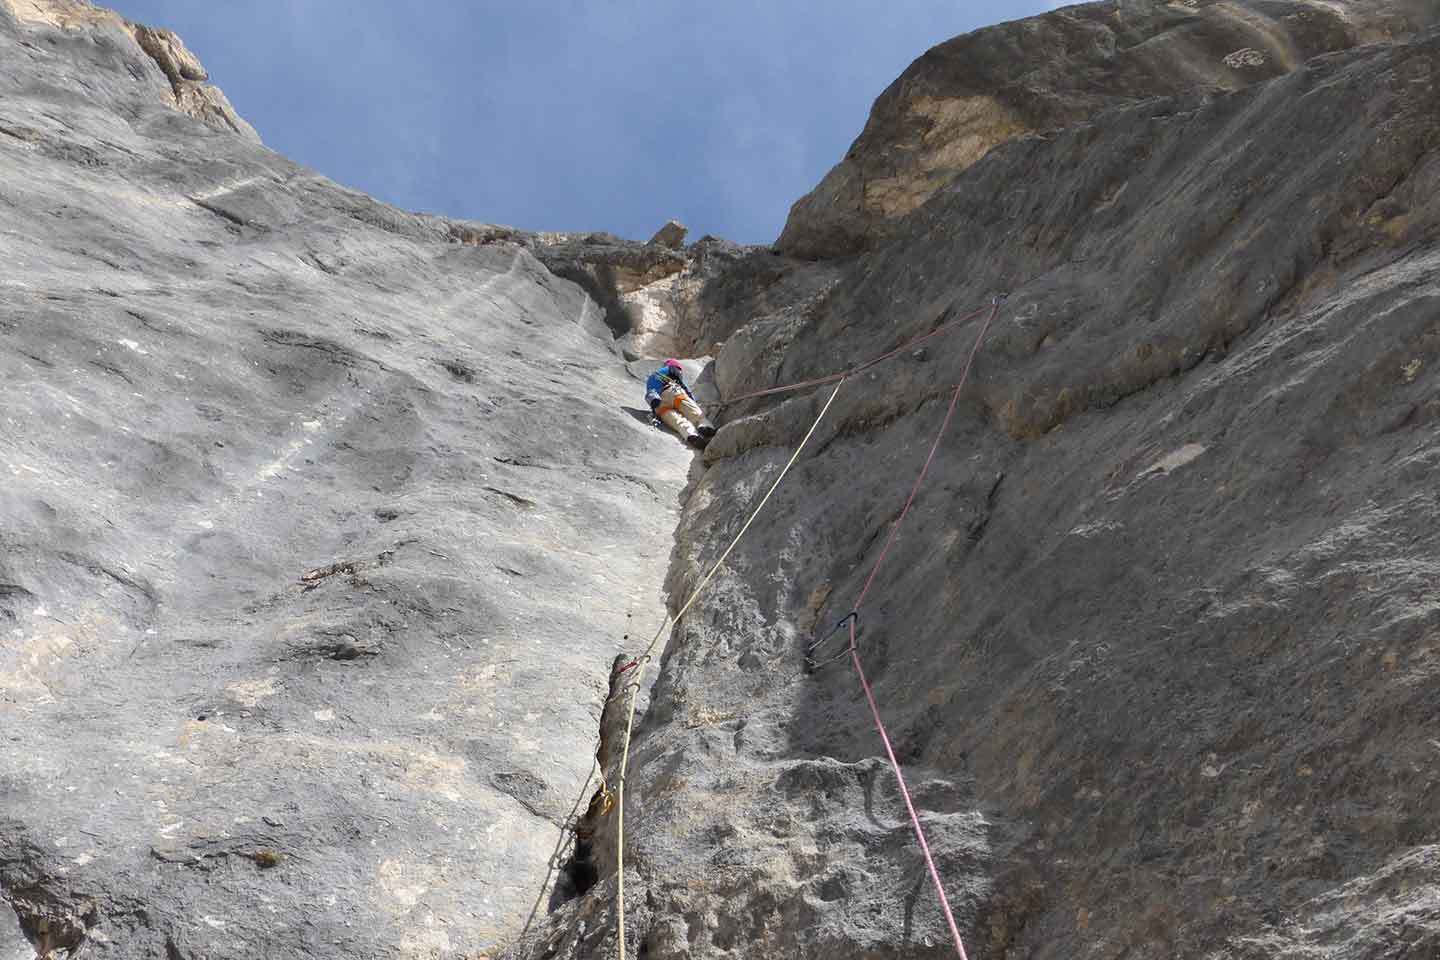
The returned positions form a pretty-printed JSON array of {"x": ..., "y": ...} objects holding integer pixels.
[{"x": 642, "y": 415}]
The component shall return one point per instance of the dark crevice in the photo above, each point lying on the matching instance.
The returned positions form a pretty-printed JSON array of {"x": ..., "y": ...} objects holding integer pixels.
[
  {"x": 459, "y": 369},
  {"x": 978, "y": 525},
  {"x": 310, "y": 259},
  {"x": 222, "y": 213},
  {"x": 522, "y": 502},
  {"x": 593, "y": 853},
  {"x": 110, "y": 368}
]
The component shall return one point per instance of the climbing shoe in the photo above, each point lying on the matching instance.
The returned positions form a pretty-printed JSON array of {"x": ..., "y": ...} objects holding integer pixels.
[
  {"x": 706, "y": 430},
  {"x": 696, "y": 441}
]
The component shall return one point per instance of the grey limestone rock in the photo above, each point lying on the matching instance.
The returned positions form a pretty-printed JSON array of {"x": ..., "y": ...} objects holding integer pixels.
[
  {"x": 319, "y": 522},
  {"x": 607, "y": 268},
  {"x": 968, "y": 95},
  {"x": 328, "y": 530},
  {"x": 671, "y": 235},
  {"x": 156, "y": 58},
  {"x": 1156, "y": 645}
]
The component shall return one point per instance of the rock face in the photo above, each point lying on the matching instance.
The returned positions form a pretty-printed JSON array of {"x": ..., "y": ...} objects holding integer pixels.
[
  {"x": 609, "y": 269},
  {"x": 188, "y": 86},
  {"x": 970, "y": 94},
  {"x": 139, "y": 50},
  {"x": 1158, "y": 643},
  {"x": 329, "y": 530},
  {"x": 738, "y": 286},
  {"x": 671, "y": 235},
  {"x": 319, "y": 523}
]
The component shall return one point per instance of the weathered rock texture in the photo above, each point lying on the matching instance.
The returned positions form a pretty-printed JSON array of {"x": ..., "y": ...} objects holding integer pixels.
[
  {"x": 612, "y": 271},
  {"x": 324, "y": 526},
  {"x": 139, "y": 50},
  {"x": 1160, "y": 643},
  {"x": 970, "y": 94},
  {"x": 671, "y": 235},
  {"x": 319, "y": 522}
]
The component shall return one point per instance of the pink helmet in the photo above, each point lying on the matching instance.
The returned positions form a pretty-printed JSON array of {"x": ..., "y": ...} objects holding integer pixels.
[{"x": 673, "y": 364}]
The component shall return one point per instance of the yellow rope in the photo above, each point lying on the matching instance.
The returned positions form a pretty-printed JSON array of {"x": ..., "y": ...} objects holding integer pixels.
[{"x": 644, "y": 659}]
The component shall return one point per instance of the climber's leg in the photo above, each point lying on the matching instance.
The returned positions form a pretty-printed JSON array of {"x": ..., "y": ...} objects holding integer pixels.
[
  {"x": 675, "y": 420},
  {"x": 694, "y": 414}
]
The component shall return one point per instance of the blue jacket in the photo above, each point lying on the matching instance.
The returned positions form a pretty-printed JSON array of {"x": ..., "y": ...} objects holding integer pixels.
[{"x": 658, "y": 381}]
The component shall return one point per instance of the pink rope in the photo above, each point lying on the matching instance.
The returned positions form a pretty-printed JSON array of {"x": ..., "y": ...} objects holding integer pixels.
[
  {"x": 855, "y": 651},
  {"x": 860, "y": 367},
  {"x": 909, "y": 805},
  {"x": 949, "y": 414}
]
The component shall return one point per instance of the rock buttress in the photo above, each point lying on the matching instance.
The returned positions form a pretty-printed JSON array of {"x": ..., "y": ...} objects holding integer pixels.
[
  {"x": 303, "y": 584},
  {"x": 1157, "y": 644},
  {"x": 970, "y": 94}
]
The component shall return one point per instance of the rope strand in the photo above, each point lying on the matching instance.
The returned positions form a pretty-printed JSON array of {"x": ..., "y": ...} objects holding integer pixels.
[
  {"x": 905, "y": 793},
  {"x": 640, "y": 663},
  {"x": 644, "y": 660},
  {"x": 858, "y": 368},
  {"x": 855, "y": 650},
  {"x": 949, "y": 414}
]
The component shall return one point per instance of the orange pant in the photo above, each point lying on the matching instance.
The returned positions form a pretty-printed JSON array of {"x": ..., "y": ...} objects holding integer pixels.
[{"x": 679, "y": 412}]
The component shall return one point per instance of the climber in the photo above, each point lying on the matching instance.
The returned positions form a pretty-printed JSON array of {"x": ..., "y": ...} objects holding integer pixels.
[{"x": 671, "y": 400}]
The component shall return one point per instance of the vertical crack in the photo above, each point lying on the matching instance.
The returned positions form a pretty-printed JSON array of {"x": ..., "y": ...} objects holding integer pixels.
[{"x": 593, "y": 853}]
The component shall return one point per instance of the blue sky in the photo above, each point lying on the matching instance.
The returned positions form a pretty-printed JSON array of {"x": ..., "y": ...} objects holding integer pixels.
[{"x": 568, "y": 114}]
